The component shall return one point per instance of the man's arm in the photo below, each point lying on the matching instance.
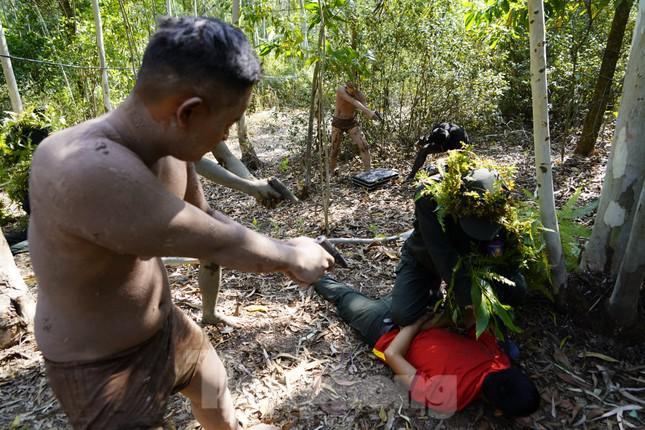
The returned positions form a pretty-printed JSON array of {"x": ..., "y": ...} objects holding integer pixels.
[
  {"x": 342, "y": 93},
  {"x": 232, "y": 173},
  {"x": 398, "y": 348},
  {"x": 230, "y": 162},
  {"x": 441, "y": 249},
  {"x": 113, "y": 200}
]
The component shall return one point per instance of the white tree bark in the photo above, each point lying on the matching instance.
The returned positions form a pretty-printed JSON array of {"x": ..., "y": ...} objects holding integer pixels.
[
  {"x": 168, "y": 8},
  {"x": 542, "y": 144},
  {"x": 625, "y": 168},
  {"x": 7, "y": 69},
  {"x": 623, "y": 303},
  {"x": 99, "y": 43},
  {"x": 16, "y": 304}
]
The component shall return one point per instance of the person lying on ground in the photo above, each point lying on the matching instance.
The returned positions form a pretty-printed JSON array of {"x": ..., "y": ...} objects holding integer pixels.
[
  {"x": 433, "y": 251},
  {"x": 443, "y": 370},
  {"x": 115, "y": 346},
  {"x": 349, "y": 100}
]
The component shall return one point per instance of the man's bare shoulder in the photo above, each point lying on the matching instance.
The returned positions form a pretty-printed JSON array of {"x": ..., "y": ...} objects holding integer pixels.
[
  {"x": 79, "y": 161},
  {"x": 80, "y": 150}
]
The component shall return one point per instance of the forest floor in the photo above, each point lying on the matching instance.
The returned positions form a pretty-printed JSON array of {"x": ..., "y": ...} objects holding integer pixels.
[{"x": 295, "y": 364}]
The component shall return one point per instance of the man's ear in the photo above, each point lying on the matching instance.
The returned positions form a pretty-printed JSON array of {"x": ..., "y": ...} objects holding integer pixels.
[{"x": 187, "y": 109}]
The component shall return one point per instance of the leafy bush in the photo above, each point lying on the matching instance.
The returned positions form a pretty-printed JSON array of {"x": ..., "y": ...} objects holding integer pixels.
[{"x": 19, "y": 136}]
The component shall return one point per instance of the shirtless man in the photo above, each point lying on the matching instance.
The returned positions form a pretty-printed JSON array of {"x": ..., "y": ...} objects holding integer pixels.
[
  {"x": 115, "y": 346},
  {"x": 348, "y": 100}
]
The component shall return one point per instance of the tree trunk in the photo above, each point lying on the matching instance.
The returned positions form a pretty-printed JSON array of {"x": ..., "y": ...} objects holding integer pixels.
[
  {"x": 16, "y": 304},
  {"x": 542, "y": 144},
  {"x": 625, "y": 168},
  {"x": 623, "y": 303},
  {"x": 310, "y": 128},
  {"x": 249, "y": 157},
  {"x": 322, "y": 135},
  {"x": 305, "y": 31},
  {"x": 99, "y": 44},
  {"x": 7, "y": 68},
  {"x": 600, "y": 98},
  {"x": 168, "y": 8}
]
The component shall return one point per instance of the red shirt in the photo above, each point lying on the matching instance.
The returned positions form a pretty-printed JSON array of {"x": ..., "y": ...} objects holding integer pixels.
[{"x": 450, "y": 367}]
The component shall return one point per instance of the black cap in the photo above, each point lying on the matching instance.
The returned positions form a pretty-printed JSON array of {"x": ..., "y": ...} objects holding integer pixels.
[{"x": 480, "y": 181}]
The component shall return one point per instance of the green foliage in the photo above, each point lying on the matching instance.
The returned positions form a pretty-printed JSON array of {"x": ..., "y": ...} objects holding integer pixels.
[
  {"x": 573, "y": 234},
  {"x": 283, "y": 167},
  {"x": 417, "y": 62},
  {"x": 523, "y": 246},
  {"x": 576, "y": 34},
  {"x": 19, "y": 135},
  {"x": 452, "y": 197}
]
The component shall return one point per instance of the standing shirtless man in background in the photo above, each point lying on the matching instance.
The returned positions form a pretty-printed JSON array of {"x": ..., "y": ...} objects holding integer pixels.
[
  {"x": 348, "y": 100},
  {"x": 115, "y": 345}
]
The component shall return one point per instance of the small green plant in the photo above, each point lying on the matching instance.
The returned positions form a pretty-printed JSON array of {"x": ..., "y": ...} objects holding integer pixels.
[
  {"x": 254, "y": 224},
  {"x": 283, "y": 167},
  {"x": 573, "y": 234},
  {"x": 523, "y": 246}
]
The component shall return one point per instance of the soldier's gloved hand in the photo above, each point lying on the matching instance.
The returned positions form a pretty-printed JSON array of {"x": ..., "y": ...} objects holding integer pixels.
[{"x": 264, "y": 193}]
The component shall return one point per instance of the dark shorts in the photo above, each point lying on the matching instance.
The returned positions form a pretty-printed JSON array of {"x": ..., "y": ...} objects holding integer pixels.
[
  {"x": 130, "y": 390},
  {"x": 344, "y": 124}
]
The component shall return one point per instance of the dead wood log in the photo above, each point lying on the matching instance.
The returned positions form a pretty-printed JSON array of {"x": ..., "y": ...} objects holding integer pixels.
[{"x": 17, "y": 307}]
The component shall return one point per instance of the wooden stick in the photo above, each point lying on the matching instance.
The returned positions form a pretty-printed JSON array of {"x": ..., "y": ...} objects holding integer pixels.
[{"x": 179, "y": 261}]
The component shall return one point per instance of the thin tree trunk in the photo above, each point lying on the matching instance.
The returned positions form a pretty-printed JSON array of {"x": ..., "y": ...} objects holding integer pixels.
[
  {"x": 7, "y": 68},
  {"x": 322, "y": 135},
  {"x": 99, "y": 43},
  {"x": 62, "y": 69},
  {"x": 68, "y": 11},
  {"x": 602, "y": 91},
  {"x": 249, "y": 157},
  {"x": 16, "y": 304},
  {"x": 541, "y": 138},
  {"x": 623, "y": 303},
  {"x": 305, "y": 31},
  {"x": 128, "y": 34},
  {"x": 625, "y": 168},
  {"x": 310, "y": 127},
  {"x": 168, "y": 8}
]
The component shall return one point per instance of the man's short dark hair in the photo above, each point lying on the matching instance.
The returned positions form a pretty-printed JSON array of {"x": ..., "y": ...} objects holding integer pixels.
[
  {"x": 512, "y": 392},
  {"x": 197, "y": 52}
]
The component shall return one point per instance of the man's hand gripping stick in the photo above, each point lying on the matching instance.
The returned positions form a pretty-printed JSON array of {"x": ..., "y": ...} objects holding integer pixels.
[{"x": 332, "y": 250}]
